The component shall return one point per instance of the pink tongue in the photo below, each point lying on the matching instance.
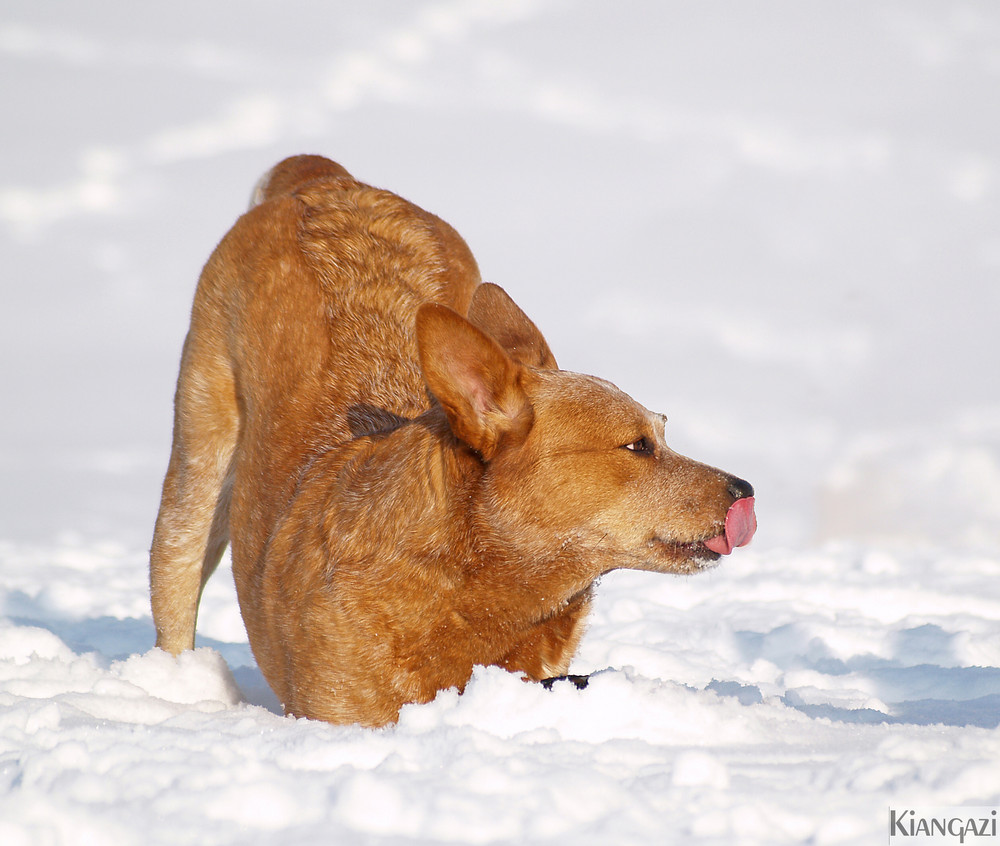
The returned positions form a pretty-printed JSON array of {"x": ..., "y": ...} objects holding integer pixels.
[{"x": 741, "y": 523}]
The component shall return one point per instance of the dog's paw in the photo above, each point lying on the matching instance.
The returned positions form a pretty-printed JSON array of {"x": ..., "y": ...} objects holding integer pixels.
[{"x": 579, "y": 682}]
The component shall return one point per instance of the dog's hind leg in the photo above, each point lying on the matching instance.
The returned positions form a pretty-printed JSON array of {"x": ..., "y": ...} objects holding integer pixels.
[{"x": 192, "y": 528}]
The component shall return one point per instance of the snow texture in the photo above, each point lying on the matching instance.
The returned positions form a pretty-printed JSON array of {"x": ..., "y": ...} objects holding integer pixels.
[{"x": 776, "y": 222}]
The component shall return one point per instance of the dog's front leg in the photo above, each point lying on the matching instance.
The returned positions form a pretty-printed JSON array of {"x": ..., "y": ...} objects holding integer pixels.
[{"x": 546, "y": 648}]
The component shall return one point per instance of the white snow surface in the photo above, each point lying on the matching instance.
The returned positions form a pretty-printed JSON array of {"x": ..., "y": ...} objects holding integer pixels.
[{"x": 776, "y": 222}]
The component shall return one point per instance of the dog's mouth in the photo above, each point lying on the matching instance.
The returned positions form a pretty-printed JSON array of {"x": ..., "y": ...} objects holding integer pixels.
[
  {"x": 686, "y": 557},
  {"x": 739, "y": 529}
]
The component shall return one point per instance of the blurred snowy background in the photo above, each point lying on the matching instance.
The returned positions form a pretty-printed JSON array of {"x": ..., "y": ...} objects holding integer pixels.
[{"x": 777, "y": 222}]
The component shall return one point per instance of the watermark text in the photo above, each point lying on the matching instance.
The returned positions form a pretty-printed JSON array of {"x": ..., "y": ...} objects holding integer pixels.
[{"x": 977, "y": 826}]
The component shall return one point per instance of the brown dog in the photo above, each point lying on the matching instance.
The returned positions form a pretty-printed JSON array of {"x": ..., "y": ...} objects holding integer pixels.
[{"x": 410, "y": 485}]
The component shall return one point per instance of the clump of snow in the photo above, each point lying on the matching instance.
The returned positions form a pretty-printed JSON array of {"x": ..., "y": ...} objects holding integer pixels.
[{"x": 191, "y": 678}]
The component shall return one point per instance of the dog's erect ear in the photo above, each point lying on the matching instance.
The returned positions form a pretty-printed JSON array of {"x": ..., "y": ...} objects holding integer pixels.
[
  {"x": 493, "y": 311},
  {"x": 478, "y": 385}
]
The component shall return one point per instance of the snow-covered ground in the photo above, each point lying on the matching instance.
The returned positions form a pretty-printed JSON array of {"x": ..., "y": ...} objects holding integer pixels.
[{"x": 777, "y": 222}]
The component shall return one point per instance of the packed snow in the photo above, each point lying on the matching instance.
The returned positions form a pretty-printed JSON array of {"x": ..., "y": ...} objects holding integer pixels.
[{"x": 776, "y": 222}]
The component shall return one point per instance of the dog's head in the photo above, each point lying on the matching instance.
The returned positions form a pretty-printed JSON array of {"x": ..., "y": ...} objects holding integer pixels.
[{"x": 570, "y": 460}]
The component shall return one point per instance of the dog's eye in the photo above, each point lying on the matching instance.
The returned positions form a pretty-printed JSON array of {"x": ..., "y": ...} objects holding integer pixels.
[{"x": 643, "y": 446}]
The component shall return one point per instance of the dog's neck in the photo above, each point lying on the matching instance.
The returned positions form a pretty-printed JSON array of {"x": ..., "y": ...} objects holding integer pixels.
[{"x": 430, "y": 485}]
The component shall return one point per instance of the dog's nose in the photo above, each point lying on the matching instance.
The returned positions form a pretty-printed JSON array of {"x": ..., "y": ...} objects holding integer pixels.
[{"x": 740, "y": 489}]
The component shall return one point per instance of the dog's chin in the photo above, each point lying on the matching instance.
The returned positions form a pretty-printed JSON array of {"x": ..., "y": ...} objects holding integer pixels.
[{"x": 683, "y": 558}]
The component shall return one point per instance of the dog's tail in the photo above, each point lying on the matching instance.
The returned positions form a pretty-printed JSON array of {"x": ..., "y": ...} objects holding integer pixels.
[{"x": 291, "y": 173}]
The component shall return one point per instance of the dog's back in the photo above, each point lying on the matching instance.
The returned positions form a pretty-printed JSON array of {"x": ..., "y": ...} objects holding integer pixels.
[{"x": 333, "y": 271}]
